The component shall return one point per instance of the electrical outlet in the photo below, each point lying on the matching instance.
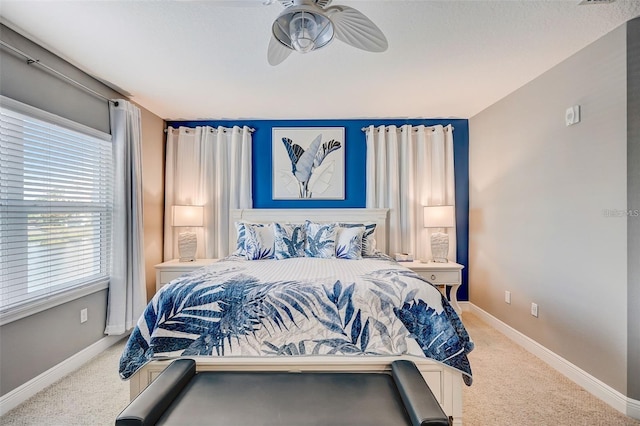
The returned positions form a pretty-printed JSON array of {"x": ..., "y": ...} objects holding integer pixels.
[
  {"x": 84, "y": 315},
  {"x": 534, "y": 309},
  {"x": 507, "y": 297}
]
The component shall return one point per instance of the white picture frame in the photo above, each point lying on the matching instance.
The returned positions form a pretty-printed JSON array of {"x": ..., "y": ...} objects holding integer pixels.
[{"x": 297, "y": 173}]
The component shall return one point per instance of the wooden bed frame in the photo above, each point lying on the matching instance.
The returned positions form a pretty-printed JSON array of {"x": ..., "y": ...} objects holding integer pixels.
[{"x": 445, "y": 382}]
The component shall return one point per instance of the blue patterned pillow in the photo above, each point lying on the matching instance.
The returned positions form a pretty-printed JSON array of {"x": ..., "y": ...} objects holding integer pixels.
[
  {"x": 259, "y": 241},
  {"x": 320, "y": 239},
  {"x": 289, "y": 240},
  {"x": 241, "y": 236},
  {"x": 349, "y": 242},
  {"x": 368, "y": 238}
]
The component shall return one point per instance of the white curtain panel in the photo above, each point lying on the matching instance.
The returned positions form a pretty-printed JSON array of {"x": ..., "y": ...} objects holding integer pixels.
[
  {"x": 410, "y": 167},
  {"x": 127, "y": 287},
  {"x": 208, "y": 167}
]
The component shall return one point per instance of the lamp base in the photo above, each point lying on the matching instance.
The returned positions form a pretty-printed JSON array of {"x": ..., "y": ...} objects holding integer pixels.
[
  {"x": 187, "y": 246},
  {"x": 439, "y": 247}
]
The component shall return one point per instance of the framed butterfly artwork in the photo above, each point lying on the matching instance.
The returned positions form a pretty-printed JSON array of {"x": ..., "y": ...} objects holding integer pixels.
[{"x": 308, "y": 163}]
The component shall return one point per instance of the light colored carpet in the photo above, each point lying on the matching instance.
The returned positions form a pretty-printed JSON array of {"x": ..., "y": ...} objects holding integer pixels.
[
  {"x": 91, "y": 395},
  {"x": 511, "y": 387}
]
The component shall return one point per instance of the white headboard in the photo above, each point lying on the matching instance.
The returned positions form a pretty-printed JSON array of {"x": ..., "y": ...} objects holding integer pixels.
[{"x": 378, "y": 216}]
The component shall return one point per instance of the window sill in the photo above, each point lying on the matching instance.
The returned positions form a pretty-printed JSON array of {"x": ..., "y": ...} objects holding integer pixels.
[{"x": 51, "y": 302}]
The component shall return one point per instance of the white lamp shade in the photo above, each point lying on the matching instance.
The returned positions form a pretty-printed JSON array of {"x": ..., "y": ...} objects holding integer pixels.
[
  {"x": 439, "y": 217},
  {"x": 187, "y": 215}
]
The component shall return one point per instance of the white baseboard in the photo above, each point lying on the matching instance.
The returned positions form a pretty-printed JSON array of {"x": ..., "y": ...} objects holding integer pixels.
[
  {"x": 20, "y": 394},
  {"x": 594, "y": 386},
  {"x": 633, "y": 408}
]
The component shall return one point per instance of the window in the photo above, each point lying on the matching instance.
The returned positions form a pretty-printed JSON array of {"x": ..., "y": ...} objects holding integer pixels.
[{"x": 56, "y": 183}]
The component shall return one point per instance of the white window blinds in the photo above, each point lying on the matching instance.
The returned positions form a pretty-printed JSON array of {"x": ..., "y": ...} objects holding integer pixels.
[{"x": 55, "y": 206}]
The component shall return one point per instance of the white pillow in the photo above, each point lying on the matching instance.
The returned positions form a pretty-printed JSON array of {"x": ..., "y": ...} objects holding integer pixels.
[
  {"x": 259, "y": 241},
  {"x": 368, "y": 238},
  {"x": 349, "y": 242}
]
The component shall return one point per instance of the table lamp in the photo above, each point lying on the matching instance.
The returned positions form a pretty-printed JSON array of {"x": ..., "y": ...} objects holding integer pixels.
[
  {"x": 439, "y": 217},
  {"x": 187, "y": 216}
]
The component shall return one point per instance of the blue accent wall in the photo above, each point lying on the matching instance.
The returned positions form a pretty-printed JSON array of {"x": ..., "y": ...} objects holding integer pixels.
[{"x": 355, "y": 168}]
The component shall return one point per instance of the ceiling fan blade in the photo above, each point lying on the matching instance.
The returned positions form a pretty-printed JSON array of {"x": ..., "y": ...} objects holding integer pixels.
[
  {"x": 277, "y": 52},
  {"x": 320, "y": 3},
  {"x": 237, "y": 3},
  {"x": 355, "y": 29}
]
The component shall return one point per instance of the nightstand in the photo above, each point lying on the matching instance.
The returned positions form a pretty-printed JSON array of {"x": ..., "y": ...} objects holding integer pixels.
[
  {"x": 172, "y": 269},
  {"x": 440, "y": 274}
]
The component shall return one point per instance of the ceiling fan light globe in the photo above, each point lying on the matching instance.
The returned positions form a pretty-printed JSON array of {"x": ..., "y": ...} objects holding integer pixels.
[
  {"x": 303, "y": 45},
  {"x": 302, "y": 29}
]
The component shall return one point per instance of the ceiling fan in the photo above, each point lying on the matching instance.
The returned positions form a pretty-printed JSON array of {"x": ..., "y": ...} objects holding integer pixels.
[{"x": 307, "y": 25}]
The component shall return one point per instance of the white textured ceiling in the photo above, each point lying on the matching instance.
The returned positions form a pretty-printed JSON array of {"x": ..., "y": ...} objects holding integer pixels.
[{"x": 207, "y": 59}]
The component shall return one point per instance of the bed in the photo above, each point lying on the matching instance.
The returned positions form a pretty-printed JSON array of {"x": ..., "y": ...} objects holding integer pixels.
[{"x": 306, "y": 313}]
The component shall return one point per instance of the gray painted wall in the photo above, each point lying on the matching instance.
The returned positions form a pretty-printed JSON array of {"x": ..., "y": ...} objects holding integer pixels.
[
  {"x": 633, "y": 196},
  {"x": 35, "y": 86},
  {"x": 538, "y": 192},
  {"x": 32, "y": 345}
]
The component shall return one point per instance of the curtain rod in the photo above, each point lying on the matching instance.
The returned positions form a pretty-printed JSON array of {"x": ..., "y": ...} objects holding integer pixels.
[
  {"x": 364, "y": 129},
  {"x": 33, "y": 61},
  {"x": 212, "y": 129}
]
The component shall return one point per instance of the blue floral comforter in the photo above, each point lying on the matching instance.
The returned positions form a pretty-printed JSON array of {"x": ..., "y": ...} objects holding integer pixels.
[{"x": 297, "y": 307}]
